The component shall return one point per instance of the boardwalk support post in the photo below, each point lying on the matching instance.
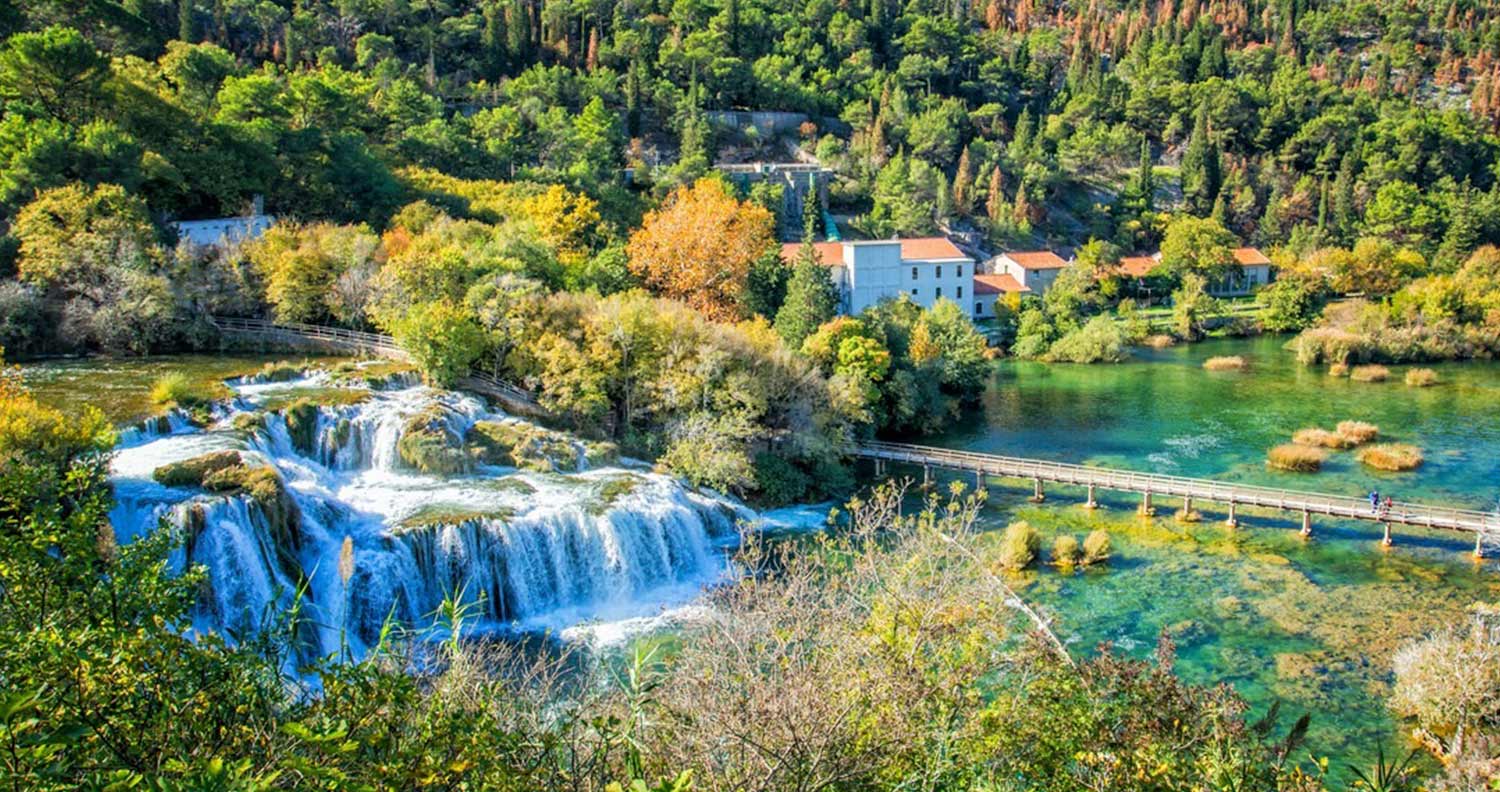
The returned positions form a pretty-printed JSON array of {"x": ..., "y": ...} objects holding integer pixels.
[
  {"x": 926, "y": 476},
  {"x": 1037, "y": 496},
  {"x": 1386, "y": 541},
  {"x": 979, "y": 481},
  {"x": 1479, "y": 544},
  {"x": 1306, "y": 523},
  {"x": 1187, "y": 514},
  {"x": 1232, "y": 521},
  {"x": 1092, "y": 502},
  {"x": 1147, "y": 509}
]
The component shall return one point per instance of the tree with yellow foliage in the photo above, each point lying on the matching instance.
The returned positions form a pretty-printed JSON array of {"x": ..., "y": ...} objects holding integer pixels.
[{"x": 698, "y": 247}]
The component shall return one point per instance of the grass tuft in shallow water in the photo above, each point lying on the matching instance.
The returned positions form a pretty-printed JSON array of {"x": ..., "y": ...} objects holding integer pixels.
[
  {"x": 1370, "y": 373},
  {"x": 1019, "y": 545},
  {"x": 1066, "y": 551},
  {"x": 1096, "y": 547},
  {"x": 175, "y": 389},
  {"x": 1296, "y": 458},
  {"x": 1322, "y": 438},
  {"x": 1391, "y": 457},
  {"x": 1421, "y": 377},
  {"x": 1358, "y": 432},
  {"x": 1225, "y": 363}
]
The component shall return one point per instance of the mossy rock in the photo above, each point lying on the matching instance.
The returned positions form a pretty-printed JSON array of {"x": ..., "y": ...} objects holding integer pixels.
[
  {"x": 302, "y": 425},
  {"x": 378, "y": 375},
  {"x": 249, "y": 422},
  {"x": 280, "y": 371},
  {"x": 193, "y": 472},
  {"x": 441, "y": 516},
  {"x": 601, "y": 453},
  {"x": 526, "y": 446},
  {"x": 428, "y": 445},
  {"x": 280, "y": 401}
]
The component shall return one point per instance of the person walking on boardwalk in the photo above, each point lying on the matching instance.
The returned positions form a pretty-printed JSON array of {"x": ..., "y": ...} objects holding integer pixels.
[
  {"x": 1374, "y": 501},
  {"x": 1386, "y": 511}
]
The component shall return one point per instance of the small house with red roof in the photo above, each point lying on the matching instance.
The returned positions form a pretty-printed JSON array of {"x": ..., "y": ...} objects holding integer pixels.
[
  {"x": 867, "y": 272},
  {"x": 1033, "y": 269},
  {"x": 1250, "y": 271},
  {"x": 990, "y": 288}
]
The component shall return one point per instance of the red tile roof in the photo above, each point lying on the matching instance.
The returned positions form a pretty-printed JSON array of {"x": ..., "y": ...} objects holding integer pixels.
[
  {"x": 1036, "y": 259},
  {"x": 1137, "y": 266},
  {"x": 1250, "y": 257},
  {"x": 924, "y": 249},
  {"x": 1002, "y": 283}
]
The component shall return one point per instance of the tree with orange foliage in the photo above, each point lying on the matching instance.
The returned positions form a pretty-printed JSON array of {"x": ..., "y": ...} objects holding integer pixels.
[{"x": 698, "y": 247}]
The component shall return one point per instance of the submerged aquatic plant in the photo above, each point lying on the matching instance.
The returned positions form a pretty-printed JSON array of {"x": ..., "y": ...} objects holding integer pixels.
[
  {"x": 1296, "y": 458},
  {"x": 1393, "y": 457}
]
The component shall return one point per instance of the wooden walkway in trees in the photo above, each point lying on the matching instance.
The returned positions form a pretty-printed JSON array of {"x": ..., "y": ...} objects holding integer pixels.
[
  {"x": 373, "y": 344},
  {"x": 1484, "y": 525}
]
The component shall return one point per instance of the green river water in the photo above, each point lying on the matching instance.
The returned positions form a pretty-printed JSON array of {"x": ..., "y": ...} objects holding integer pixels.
[{"x": 1313, "y": 624}]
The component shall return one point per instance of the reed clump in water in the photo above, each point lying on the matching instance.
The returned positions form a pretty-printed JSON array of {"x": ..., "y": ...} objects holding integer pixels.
[
  {"x": 1225, "y": 363},
  {"x": 1392, "y": 457},
  {"x": 1096, "y": 549},
  {"x": 1296, "y": 458},
  {"x": 1066, "y": 551},
  {"x": 1421, "y": 377},
  {"x": 1322, "y": 438},
  {"x": 1159, "y": 341},
  {"x": 1370, "y": 373},
  {"x": 1338, "y": 370},
  {"x": 1358, "y": 432},
  {"x": 1019, "y": 546}
]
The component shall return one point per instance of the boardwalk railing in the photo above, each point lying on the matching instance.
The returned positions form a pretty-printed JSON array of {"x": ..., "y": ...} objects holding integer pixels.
[
  {"x": 1485, "y": 524},
  {"x": 370, "y": 344}
]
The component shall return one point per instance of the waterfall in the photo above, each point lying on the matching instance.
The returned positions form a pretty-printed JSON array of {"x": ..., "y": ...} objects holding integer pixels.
[{"x": 527, "y": 550}]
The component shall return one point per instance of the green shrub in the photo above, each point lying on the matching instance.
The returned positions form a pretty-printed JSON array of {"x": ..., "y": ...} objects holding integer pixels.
[
  {"x": 176, "y": 389},
  {"x": 1096, "y": 548},
  {"x": 1019, "y": 545},
  {"x": 1066, "y": 550},
  {"x": 779, "y": 481},
  {"x": 1102, "y": 340}
]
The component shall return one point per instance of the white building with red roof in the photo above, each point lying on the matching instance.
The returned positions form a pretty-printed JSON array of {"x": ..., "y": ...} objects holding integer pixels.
[
  {"x": 867, "y": 272},
  {"x": 1034, "y": 269}
]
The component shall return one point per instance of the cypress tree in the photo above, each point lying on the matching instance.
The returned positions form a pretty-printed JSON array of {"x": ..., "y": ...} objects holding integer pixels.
[
  {"x": 1201, "y": 177},
  {"x": 963, "y": 179},
  {"x": 185, "y": 20},
  {"x": 1145, "y": 179},
  {"x": 518, "y": 33},
  {"x": 811, "y": 298},
  {"x": 812, "y": 214},
  {"x": 995, "y": 203},
  {"x": 493, "y": 40}
]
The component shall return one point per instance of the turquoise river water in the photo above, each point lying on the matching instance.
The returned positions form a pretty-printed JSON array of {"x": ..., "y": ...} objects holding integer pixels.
[{"x": 1312, "y": 623}]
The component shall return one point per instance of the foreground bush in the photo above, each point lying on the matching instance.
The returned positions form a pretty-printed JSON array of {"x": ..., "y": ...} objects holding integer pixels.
[
  {"x": 1358, "y": 432},
  {"x": 1296, "y": 458},
  {"x": 1321, "y": 438},
  {"x": 1225, "y": 363},
  {"x": 1370, "y": 373},
  {"x": 1421, "y": 377},
  {"x": 1449, "y": 684},
  {"x": 1394, "y": 457},
  {"x": 1019, "y": 545}
]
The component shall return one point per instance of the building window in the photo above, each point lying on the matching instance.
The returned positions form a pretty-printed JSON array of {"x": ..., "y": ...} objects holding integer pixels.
[
  {"x": 939, "y": 291},
  {"x": 939, "y": 270},
  {"x": 960, "y": 271},
  {"x": 913, "y": 273},
  {"x": 960, "y": 294},
  {"x": 913, "y": 292},
  {"x": 978, "y": 308}
]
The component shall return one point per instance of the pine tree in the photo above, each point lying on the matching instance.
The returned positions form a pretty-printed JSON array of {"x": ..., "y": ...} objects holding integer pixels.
[
  {"x": 1200, "y": 167},
  {"x": 994, "y": 204},
  {"x": 962, "y": 181},
  {"x": 811, "y": 298},
  {"x": 185, "y": 20},
  {"x": 493, "y": 41},
  {"x": 1464, "y": 233}
]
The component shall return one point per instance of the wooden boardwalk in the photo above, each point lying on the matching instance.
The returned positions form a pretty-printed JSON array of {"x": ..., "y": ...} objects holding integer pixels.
[
  {"x": 1484, "y": 525},
  {"x": 374, "y": 344}
]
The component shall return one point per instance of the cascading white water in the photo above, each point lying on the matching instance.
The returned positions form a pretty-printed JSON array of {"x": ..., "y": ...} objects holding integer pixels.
[{"x": 527, "y": 549}]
